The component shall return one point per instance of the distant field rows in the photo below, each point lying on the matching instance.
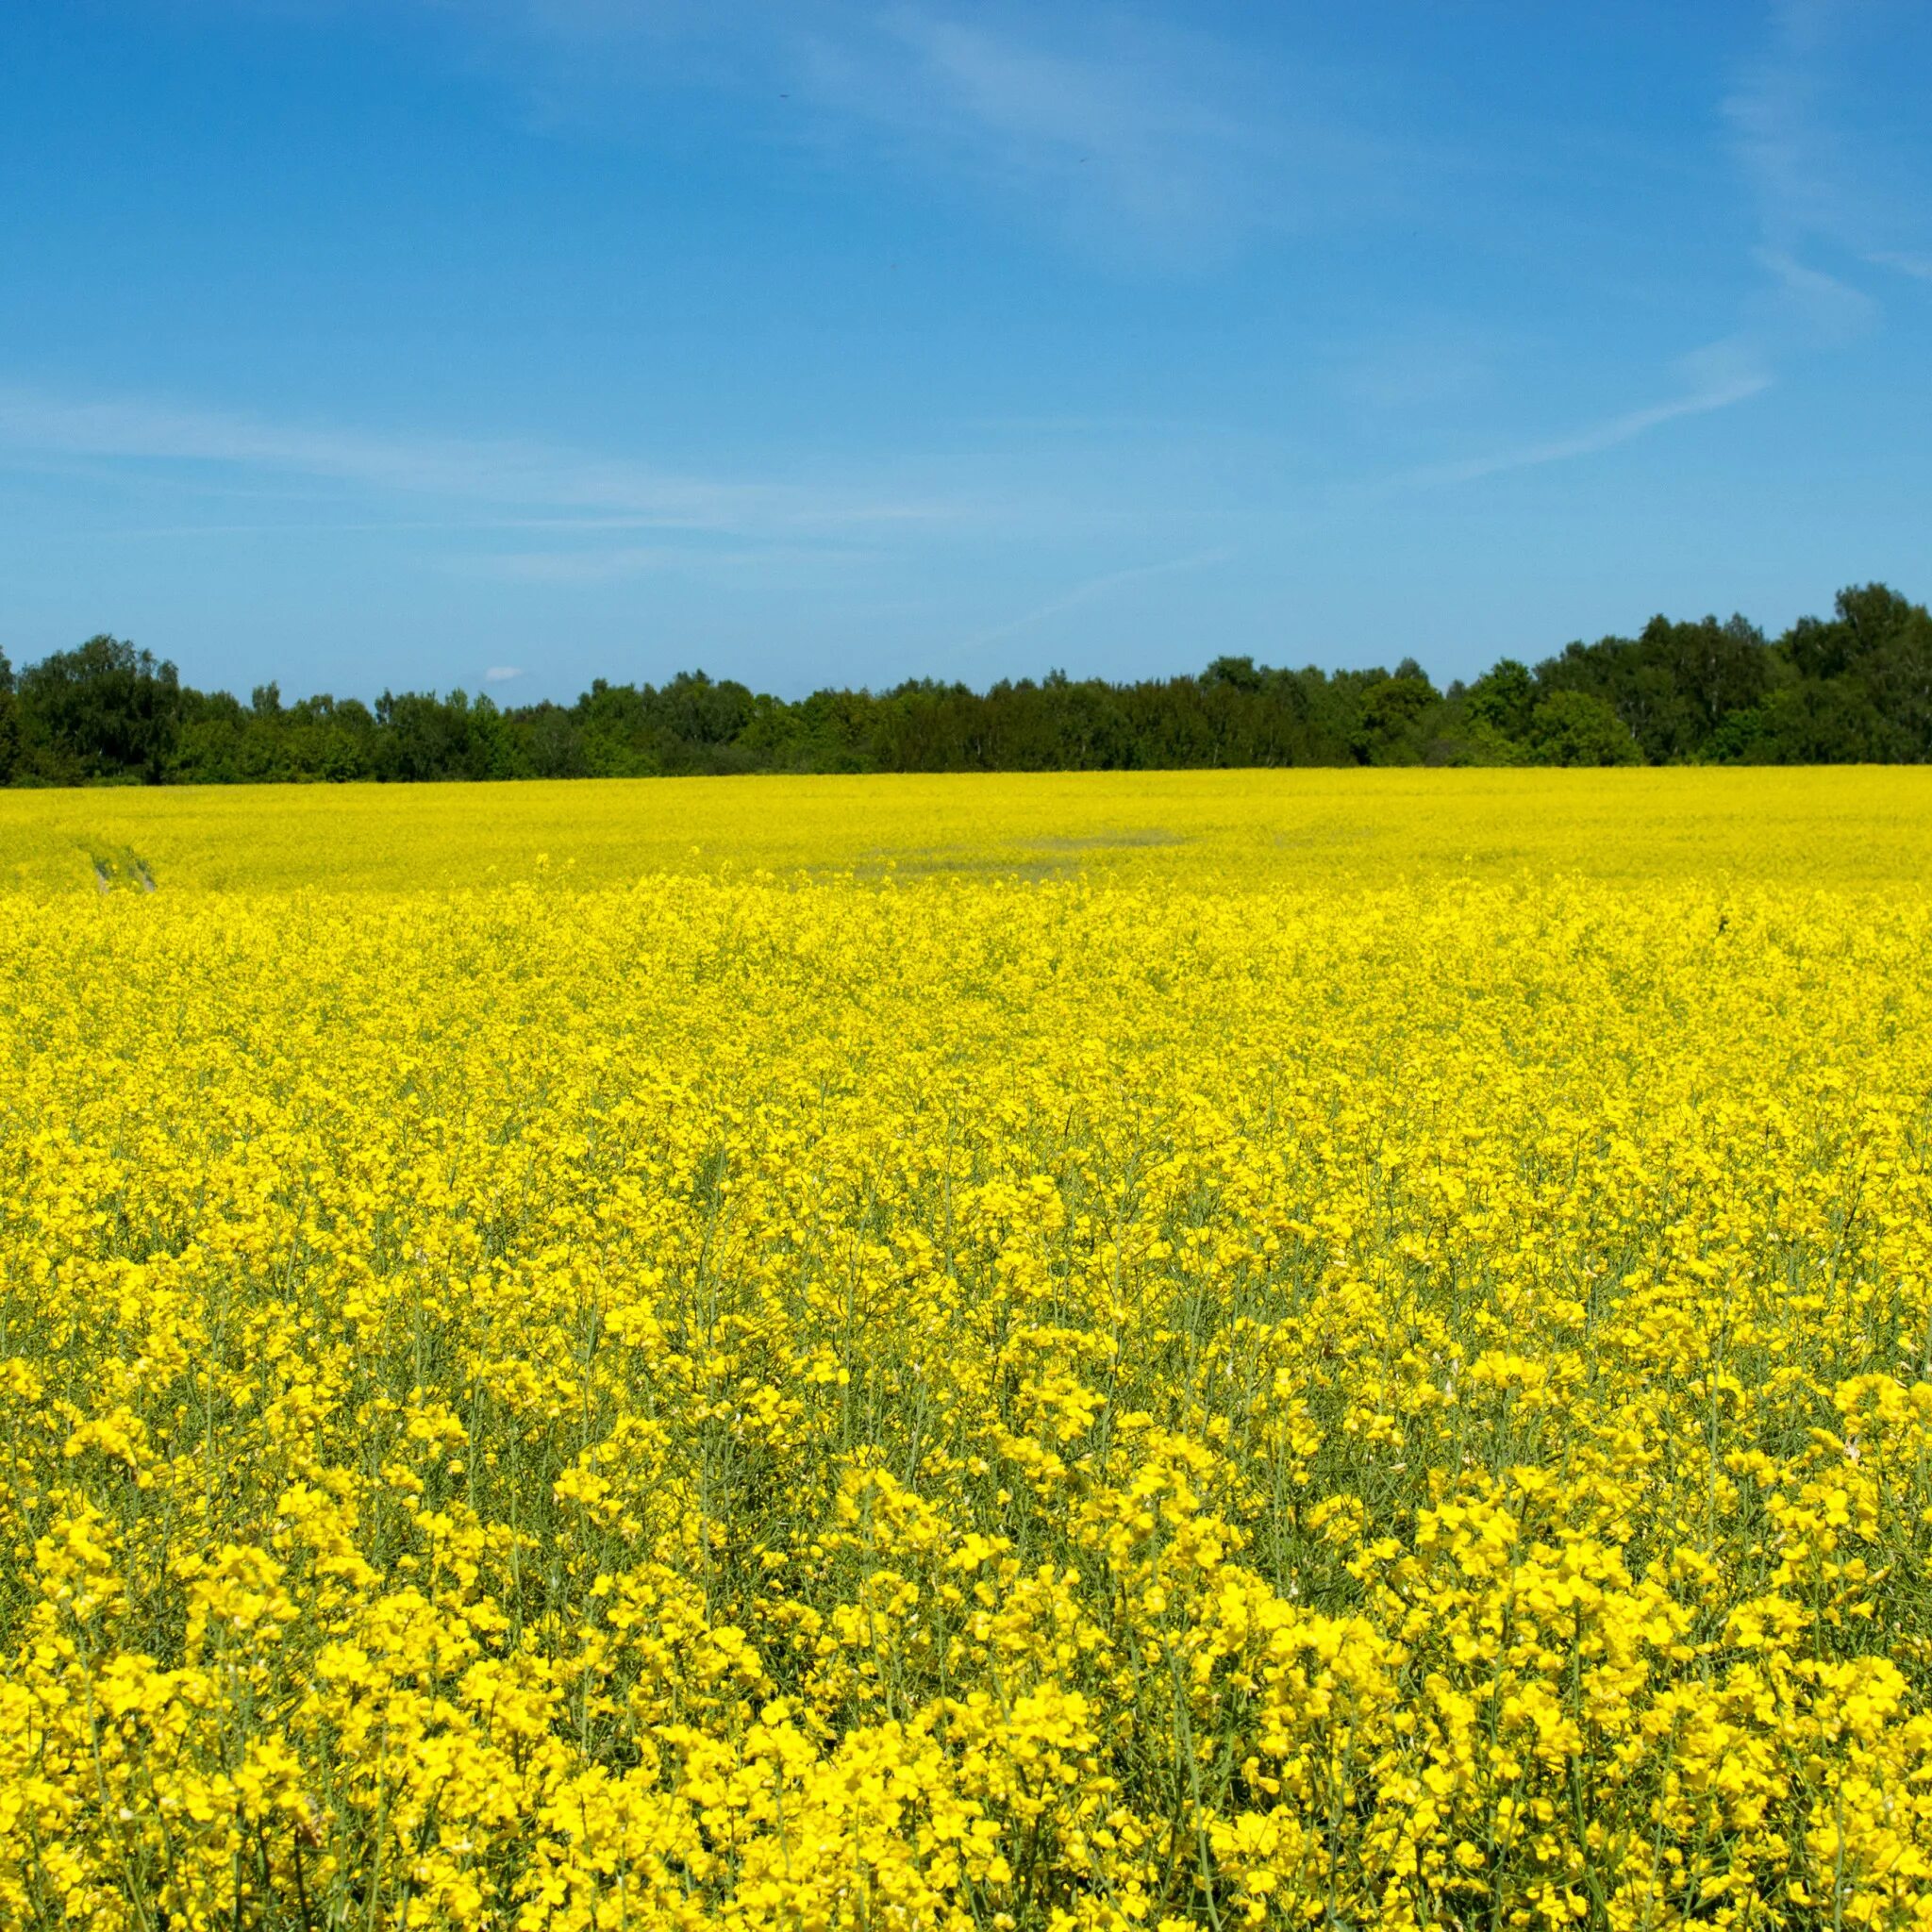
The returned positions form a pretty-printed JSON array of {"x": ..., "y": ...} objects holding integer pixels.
[{"x": 1838, "y": 826}]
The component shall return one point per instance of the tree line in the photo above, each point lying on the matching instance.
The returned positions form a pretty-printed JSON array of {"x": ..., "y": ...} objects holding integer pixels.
[{"x": 1853, "y": 687}]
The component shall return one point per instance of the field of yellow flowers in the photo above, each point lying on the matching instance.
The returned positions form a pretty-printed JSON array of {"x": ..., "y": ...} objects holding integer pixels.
[{"x": 1307, "y": 1350}]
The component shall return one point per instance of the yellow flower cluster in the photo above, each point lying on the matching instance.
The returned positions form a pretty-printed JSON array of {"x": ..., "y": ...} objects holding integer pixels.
[{"x": 1192, "y": 1370}]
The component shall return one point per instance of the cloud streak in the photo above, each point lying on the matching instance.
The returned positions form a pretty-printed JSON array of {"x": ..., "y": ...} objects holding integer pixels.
[
  {"x": 1809, "y": 131},
  {"x": 1094, "y": 589},
  {"x": 1806, "y": 197},
  {"x": 611, "y": 492},
  {"x": 1124, "y": 142},
  {"x": 1722, "y": 375},
  {"x": 613, "y": 564},
  {"x": 1143, "y": 140},
  {"x": 1918, "y": 266}
]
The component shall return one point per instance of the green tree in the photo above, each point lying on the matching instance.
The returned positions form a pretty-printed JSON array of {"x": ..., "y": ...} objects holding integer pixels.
[
  {"x": 1503, "y": 698},
  {"x": 1854, "y": 686},
  {"x": 1237, "y": 674},
  {"x": 1578, "y": 727},
  {"x": 1390, "y": 714},
  {"x": 10, "y": 723},
  {"x": 103, "y": 710}
]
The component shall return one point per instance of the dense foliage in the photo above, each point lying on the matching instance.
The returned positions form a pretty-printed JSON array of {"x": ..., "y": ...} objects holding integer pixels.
[
  {"x": 1855, "y": 687},
  {"x": 1317, "y": 1373}
]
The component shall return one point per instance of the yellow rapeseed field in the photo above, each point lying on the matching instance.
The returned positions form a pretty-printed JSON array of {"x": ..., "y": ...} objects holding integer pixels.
[{"x": 1321, "y": 1350}]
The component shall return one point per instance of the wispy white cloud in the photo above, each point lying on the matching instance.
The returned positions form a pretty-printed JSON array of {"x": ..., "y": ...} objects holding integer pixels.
[
  {"x": 1809, "y": 197},
  {"x": 1096, "y": 589},
  {"x": 1716, "y": 378},
  {"x": 572, "y": 566},
  {"x": 613, "y": 563},
  {"x": 1777, "y": 132},
  {"x": 1918, "y": 266},
  {"x": 1130, "y": 136},
  {"x": 503, "y": 674},
  {"x": 1412, "y": 370},
  {"x": 1807, "y": 121},
  {"x": 1822, "y": 308},
  {"x": 503, "y": 475},
  {"x": 1145, "y": 139}
]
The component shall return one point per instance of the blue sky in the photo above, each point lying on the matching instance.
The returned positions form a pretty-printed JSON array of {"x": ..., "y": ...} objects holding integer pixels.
[{"x": 431, "y": 342}]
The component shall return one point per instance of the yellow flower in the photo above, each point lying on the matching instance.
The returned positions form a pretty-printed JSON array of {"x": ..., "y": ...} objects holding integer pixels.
[{"x": 1150, "y": 1351}]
